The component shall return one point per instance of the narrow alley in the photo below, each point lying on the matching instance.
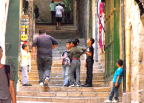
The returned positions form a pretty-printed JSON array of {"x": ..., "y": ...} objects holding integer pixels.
[{"x": 117, "y": 55}]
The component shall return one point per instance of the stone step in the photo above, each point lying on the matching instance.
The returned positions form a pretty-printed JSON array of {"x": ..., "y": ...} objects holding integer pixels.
[
  {"x": 63, "y": 100},
  {"x": 59, "y": 66},
  {"x": 59, "y": 74},
  {"x": 64, "y": 89},
  {"x": 58, "y": 71},
  {"x": 52, "y": 27},
  {"x": 34, "y": 102},
  {"x": 60, "y": 78},
  {"x": 54, "y": 81},
  {"x": 55, "y": 62},
  {"x": 63, "y": 94},
  {"x": 82, "y": 68},
  {"x": 97, "y": 78},
  {"x": 60, "y": 83}
]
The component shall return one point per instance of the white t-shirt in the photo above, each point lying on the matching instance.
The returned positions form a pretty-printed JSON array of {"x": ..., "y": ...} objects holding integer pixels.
[
  {"x": 25, "y": 58},
  {"x": 59, "y": 11}
]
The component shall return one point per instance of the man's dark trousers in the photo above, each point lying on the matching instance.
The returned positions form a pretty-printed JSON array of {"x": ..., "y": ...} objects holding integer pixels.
[
  {"x": 89, "y": 66},
  {"x": 44, "y": 67}
]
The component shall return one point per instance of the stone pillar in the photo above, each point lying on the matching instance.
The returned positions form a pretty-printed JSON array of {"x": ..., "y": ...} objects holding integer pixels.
[
  {"x": 75, "y": 12},
  {"x": 128, "y": 58},
  {"x": 127, "y": 95},
  {"x": 140, "y": 75}
]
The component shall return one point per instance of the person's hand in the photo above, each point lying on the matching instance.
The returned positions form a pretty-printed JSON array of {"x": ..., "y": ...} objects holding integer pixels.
[
  {"x": 85, "y": 64},
  {"x": 34, "y": 55},
  {"x": 116, "y": 84}
]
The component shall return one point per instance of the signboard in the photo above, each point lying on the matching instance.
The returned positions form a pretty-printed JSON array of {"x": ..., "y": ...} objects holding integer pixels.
[
  {"x": 24, "y": 37},
  {"x": 24, "y": 28}
]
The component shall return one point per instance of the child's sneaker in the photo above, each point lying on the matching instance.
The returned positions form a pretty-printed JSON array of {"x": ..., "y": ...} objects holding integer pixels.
[
  {"x": 115, "y": 101},
  {"x": 108, "y": 101},
  {"x": 41, "y": 84},
  {"x": 46, "y": 81},
  {"x": 72, "y": 85},
  {"x": 77, "y": 85}
]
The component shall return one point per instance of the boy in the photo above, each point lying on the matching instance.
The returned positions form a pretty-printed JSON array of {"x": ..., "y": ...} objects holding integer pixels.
[
  {"x": 66, "y": 63},
  {"x": 117, "y": 78},
  {"x": 7, "y": 90},
  {"x": 75, "y": 54},
  {"x": 89, "y": 62},
  {"x": 25, "y": 64}
]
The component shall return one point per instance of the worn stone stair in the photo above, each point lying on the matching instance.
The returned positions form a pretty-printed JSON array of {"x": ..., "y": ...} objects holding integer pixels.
[
  {"x": 59, "y": 94},
  {"x": 68, "y": 31}
]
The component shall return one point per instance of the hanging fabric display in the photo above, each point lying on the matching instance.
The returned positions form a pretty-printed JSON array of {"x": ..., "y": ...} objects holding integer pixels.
[{"x": 101, "y": 25}]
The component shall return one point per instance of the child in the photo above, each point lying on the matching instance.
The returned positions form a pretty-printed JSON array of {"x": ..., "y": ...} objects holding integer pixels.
[
  {"x": 25, "y": 64},
  {"x": 75, "y": 54},
  {"x": 117, "y": 78},
  {"x": 66, "y": 63},
  {"x": 89, "y": 62}
]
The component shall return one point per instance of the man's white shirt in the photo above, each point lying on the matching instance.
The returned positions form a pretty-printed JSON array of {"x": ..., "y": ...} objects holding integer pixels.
[{"x": 59, "y": 11}]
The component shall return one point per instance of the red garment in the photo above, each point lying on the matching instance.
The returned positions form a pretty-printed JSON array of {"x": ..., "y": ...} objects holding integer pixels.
[
  {"x": 25, "y": 42},
  {"x": 101, "y": 11},
  {"x": 101, "y": 6}
]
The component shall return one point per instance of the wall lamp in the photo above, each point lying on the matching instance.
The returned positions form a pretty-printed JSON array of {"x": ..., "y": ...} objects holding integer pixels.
[{"x": 140, "y": 4}]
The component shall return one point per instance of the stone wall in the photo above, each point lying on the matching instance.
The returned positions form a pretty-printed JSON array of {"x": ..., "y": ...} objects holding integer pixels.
[
  {"x": 44, "y": 10},
  {"x": 136, "y": 93}
]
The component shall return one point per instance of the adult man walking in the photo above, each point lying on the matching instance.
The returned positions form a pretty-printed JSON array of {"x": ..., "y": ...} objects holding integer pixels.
[{"x": 44, "y": 44}]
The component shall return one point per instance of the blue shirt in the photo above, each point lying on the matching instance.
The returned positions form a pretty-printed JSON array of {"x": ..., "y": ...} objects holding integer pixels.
[{"x": 118, "y": 72}]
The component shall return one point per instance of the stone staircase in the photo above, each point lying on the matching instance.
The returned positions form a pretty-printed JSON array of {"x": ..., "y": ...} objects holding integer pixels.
[
  {"x": 56, "y": 93},
  {"x": 66, "y": 32}
]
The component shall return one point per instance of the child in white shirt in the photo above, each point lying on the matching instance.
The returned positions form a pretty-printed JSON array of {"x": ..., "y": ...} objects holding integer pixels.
[{"x": 25, "y": 64}]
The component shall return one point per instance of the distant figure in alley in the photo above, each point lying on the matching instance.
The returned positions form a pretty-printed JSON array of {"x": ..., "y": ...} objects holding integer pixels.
[
  {"x": 52, "y": 9},
  {"x": 59, "y": 15},
  {"x": 44, "y": 43}
]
